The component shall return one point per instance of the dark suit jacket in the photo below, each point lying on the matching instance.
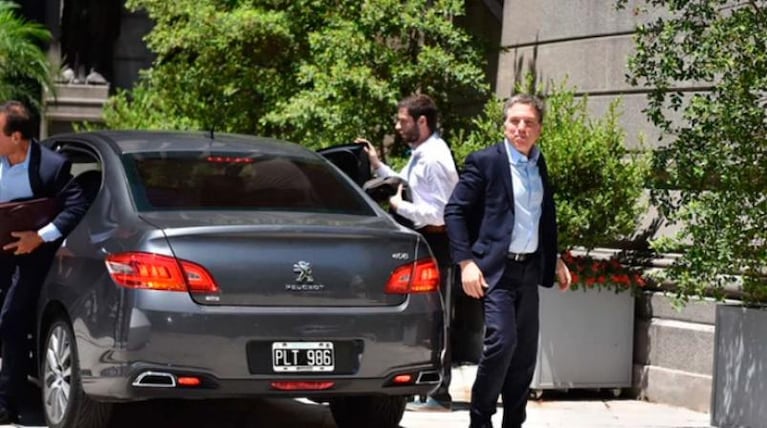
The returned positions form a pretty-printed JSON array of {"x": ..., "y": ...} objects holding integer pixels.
[
  {"x": 480, "y": 216},
  {"x": 50, "y": 176}
]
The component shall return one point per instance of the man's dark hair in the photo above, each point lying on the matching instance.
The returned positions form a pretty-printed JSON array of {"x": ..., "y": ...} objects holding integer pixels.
[
  {"x": 17, "y": 118},
  {"x": 421, "y": 105},
  {"x": 527, "y": 99}
]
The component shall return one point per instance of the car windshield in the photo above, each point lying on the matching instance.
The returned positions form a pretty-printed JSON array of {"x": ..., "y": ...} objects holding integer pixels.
[{"x": 239, "y": 181}]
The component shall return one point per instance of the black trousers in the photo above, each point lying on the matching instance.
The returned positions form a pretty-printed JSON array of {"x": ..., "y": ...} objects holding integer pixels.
[
  {"x": 440, "y": 246},
  {"x": 507, "y": 363},
  {"x": 20, "y": 280}
]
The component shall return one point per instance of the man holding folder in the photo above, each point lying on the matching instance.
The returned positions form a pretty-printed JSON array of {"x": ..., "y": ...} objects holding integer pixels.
[{"x": 28, "y": 171}]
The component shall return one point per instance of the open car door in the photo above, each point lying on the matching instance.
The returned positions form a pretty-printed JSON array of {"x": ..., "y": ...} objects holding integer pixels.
[
  {"x": 351, "y": 159},
  {"x": 354, "y": 162}
]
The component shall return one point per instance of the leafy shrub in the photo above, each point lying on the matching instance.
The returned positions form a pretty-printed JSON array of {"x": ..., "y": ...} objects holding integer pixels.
[{"x": 714, "y": 165}]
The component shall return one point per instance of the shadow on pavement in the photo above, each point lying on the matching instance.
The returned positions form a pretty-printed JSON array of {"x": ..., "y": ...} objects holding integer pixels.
[
  {"x": 239, "y": 413},
  {"x": 222, "y": 414},
  {"x": 584, "y": 395}
]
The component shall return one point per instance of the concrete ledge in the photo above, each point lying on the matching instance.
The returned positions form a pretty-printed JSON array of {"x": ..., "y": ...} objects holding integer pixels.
[
  {"x": 678, "y": 388},
  {"x": 657, "y": 305}
]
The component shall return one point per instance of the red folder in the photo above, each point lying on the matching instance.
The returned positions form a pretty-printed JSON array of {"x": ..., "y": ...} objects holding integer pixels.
[{"x": 25, "y": 215}]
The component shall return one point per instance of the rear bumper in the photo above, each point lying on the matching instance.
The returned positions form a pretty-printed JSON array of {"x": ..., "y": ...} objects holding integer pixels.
[
  {"x": 169, "y": 333},
  {"x": 120, "y": 389}
]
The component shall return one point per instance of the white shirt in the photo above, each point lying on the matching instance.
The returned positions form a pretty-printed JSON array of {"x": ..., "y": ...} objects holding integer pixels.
[
  {"x": 528, "y": 199},
  {"x": 431, "y": 176}
]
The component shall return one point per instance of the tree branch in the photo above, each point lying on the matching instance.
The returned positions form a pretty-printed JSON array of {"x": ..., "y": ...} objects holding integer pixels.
[{"x": 758, "y": 10}]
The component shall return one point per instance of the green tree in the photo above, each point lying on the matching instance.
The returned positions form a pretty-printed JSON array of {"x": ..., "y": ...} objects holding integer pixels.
[
  {"x": 597, "y": 182},
  {"x": 318, "y": 72},
  {"x": 24, "y": 67},
  {"x": 711, "y": 175}
]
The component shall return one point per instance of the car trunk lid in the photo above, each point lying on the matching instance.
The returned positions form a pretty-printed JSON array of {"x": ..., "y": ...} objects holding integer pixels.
[{"x": 264, "y": 259}]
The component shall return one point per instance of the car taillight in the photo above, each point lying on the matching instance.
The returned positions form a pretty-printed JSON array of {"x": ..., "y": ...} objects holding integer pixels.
[
  {"x": 422, "y": 276},
  {"x": 159, "y": 272}
]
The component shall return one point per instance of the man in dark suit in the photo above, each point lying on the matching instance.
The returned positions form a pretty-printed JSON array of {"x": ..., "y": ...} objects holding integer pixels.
[
  {"x": 28, "y": 170},
  {"x": 501, "y": 223}
]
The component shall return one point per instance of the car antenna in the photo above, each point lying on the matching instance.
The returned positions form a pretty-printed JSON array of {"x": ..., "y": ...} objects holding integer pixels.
[{"x": 211, "y": 133}]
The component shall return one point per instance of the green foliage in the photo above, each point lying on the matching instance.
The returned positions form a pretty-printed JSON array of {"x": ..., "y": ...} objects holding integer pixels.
[
  {"x": 318, "y": 72},
  {"x": 486, "y": 130},
  {"x": 597, "y": 182},
  {"x": 24, "y": 67},
  {"x": 718, "y": 157}
]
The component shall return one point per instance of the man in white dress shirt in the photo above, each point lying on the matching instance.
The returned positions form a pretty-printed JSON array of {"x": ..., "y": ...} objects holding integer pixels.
[{"x": 431, "y": 176}]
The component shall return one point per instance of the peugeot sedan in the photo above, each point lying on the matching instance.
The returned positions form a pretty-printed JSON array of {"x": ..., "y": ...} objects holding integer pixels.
[{"x": 212, "y": 266}]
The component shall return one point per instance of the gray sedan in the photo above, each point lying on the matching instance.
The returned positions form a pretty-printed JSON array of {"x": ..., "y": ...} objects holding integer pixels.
[{"x": 213, "y": 266}]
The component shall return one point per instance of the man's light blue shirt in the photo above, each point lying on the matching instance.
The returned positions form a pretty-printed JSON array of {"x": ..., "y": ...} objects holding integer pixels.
[
  {"x": 14, "y": 184},
  {"x": 528, "y": 199}
]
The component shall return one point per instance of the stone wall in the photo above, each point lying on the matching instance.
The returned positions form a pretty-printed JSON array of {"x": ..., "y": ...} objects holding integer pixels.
[
  {"x": 584, "y": 41},
  {"x": 674, "y": 351}
]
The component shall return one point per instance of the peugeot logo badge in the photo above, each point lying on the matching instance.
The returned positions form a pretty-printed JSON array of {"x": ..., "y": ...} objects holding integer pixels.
[{"x": 304, "y": 271}]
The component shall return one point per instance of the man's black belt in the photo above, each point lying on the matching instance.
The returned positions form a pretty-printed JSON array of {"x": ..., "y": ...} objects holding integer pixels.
[
  {"x": 429, "y": 228},
  {"x": 519, "y": 257}
]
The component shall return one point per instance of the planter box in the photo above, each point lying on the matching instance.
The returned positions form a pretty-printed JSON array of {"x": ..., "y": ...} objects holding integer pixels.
[
  {"x": 739, "y": 391},
  {"x": 586, "y": 340}
]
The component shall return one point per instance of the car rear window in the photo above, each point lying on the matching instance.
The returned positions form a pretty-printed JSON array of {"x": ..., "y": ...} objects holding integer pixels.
[{"x": 239, "y": 181}]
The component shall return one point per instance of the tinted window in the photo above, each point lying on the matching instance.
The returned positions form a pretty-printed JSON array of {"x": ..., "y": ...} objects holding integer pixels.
[{"x": 239, "y": 181}]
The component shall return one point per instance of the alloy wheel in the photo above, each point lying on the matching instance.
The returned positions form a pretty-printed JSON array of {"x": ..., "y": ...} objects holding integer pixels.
[{"x": 57, "y": 374}]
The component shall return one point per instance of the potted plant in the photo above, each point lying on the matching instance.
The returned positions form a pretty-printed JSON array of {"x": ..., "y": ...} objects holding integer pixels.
[{"x": 586, "y": 335}]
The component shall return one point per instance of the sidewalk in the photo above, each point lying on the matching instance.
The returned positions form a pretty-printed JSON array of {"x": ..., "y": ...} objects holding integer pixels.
[
  {"x": 563, "y": 410},
  {"x": 576, "y": 414}
]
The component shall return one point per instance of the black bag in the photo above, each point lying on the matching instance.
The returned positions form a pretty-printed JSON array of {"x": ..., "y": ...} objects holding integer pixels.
[
  {"x": 25, "y": 215},
  {"x": 383, "y": 188}
]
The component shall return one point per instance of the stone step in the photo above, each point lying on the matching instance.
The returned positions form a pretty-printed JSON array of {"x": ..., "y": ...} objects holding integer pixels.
[
  {"x": 674, "y": 387},
  {"x": 675, "y": 345}
]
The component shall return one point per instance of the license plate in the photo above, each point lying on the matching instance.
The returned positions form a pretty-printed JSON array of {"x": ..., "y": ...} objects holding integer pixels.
[{"x": 303, "y": 357}]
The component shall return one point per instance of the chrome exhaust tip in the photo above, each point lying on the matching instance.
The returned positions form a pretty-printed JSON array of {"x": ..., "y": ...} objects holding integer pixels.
[
  {"x": 155, "y": 380},
  {"x": 428, "y": 377}
]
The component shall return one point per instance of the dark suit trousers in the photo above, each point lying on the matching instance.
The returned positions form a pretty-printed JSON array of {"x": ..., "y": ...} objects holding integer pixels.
[
  {"x": 20, "y": 280},
  {"x": 439, "y": 245},
  {"x": 510, "y": 346}
]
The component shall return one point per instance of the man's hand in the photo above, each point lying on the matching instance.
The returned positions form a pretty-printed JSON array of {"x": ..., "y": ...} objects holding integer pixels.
[
  {"x": 473, "y": 281},
  {"x": 28, "y": 241},
  {"x": 563, "y": 275},
  {"x": 396, "y": 199},
  {"x": 375, "y": 162}
]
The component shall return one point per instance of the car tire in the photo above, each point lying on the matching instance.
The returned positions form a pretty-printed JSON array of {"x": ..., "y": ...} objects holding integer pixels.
[
  {"x": 60, "y": 370},
  {"x": 368, "y": 411}
]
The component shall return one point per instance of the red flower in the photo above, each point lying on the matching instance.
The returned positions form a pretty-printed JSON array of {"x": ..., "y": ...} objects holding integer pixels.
[{"x": 589, "y": 272}]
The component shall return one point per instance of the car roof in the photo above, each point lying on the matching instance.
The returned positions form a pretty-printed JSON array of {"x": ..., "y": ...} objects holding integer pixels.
[{"x": 152, "y": 141}]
